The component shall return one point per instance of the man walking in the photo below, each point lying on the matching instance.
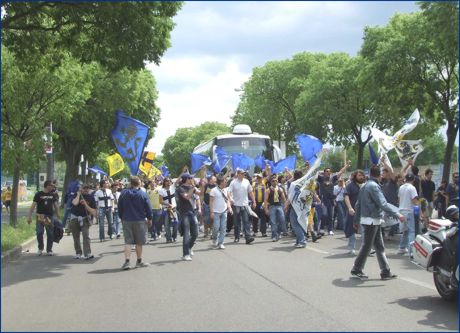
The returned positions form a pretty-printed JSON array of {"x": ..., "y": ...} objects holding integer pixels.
[
  {"x": 408, "y": 198},
  {"x": 46, "y": 204},
  {"x": 239, "y": 190},
  {"x": 369, "y": 212},
  {"x": 83, "y": 205},
  {"x": 133, "y": 208}
]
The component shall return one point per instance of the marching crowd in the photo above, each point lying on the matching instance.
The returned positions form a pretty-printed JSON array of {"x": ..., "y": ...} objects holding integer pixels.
[{"x": 256, "y": 206}]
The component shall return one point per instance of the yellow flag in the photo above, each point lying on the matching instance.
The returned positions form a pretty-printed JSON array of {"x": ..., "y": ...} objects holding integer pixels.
[
  {"x": 116, "y": 164},
  {"x": 153, "y": 172},
  {"x": 146, "y": 162}
]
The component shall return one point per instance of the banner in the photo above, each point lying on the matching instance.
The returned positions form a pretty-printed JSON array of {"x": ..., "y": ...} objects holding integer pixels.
[
  {"x": 301, "y": 193},
  {"x": 116, "y": 164},
  {"x": 153, "y": 172},
  {"x": 97, "y": 169},
  {"x": 164, "y": 171},
  {"x": 261, "y": 162},
  {"x": 309, "y": 147},
  {"x": 198, "y": 160},
  {"x": 408, "y": 126},
  {"x": 222, "y": 158},
  {"x": 408, "y": 150},
  {"x": 242, "y": 161},
  {"x": 130, "y": 136},
  {"x": 146, "y": 162},
  {"x": 288, "y": 162}
]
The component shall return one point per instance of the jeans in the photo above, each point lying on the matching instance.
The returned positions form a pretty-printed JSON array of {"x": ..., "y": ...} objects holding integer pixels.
[
  {"x": 190, "y": 229},
  {"x": 241, "y": 214},
  {"x": 319, "y": 215},
  {"x": 220, "y": 226},
  {"x": 408, "y": 235},
  {"x": 276, "y": 219},
  {"x": 170, "y": 222},
  {"x": 326, "y": 218},
  {"x": 207, "y": 221},
  {"x": 116, "y": 223},
  {"x": 341, "y": 214},
  {"x": 67, "y": 208},
  {"x": 40, "y": 230},
  {"x": 298, "y": 231},
  {"x": 156, "y": 227},
  {"x": 372, "y": 235},
  {"x": 107, "y": 213}
]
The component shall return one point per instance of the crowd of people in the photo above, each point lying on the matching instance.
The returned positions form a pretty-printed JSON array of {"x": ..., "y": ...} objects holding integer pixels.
[{"x": 250, "y": 206}]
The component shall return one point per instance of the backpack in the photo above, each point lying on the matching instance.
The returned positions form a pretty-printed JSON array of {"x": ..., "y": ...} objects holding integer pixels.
[{"x": 58, "y": 232}]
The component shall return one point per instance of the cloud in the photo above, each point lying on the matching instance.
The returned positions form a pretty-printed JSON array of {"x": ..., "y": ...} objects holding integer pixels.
[{"x": 215, "y": 46}]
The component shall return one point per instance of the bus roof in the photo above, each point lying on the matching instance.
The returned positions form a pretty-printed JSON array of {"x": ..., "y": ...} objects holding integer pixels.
[{"x": 252, "y": 135}]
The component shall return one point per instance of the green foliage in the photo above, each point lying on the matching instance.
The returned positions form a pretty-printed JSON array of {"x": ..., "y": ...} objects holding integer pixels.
[
  {"x": 117, "y": 35},
  {"x": 177, "y": 149},
  {"x": 15, "y": 236}
]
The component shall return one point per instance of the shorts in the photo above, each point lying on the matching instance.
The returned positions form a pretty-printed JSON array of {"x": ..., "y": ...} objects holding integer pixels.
[{"x": 134, "y": 232}]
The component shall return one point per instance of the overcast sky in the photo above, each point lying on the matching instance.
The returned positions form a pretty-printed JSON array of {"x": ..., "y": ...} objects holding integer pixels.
[{"x": 215, "y": 46}]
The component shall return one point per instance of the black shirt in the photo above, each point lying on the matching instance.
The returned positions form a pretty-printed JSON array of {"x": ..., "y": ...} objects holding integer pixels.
[
  {"x": 80, "y": 210},
  {"x": 45, "y": 202},
  {"x": 326, "y": 188},
  {"x": 183, "y": 205},
  {"x": 390, "y": 191},
  {"x": 352, "y": 191},
  {"x": 207, "y": 190},
  {"x": 428, "y": 189}
]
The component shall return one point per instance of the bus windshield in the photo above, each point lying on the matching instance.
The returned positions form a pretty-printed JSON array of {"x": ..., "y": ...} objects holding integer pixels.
[{"x": 249, "y": 146}]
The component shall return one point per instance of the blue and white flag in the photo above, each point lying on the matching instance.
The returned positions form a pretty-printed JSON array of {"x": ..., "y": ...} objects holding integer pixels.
[
  {"x": 164, "y": 171},
  {"x": 374, "y": 158},
  {"x": 309, "y": 147},
  {"x": 198, "y": 160},
  {"x": 97, "y": 169},
  {"x": 288, "y": 162},
  {"x": 222, "y": 158},
  {"x": 242, "y": 161},
  {"x": 130, "y": 136},
  {"x": 261, "y": 162}
]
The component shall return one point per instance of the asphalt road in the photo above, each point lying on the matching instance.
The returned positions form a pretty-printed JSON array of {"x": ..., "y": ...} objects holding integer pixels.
[{"x": 261, "y": 287}]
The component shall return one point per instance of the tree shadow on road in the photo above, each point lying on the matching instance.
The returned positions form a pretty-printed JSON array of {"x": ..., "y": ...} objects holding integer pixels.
[
  {"x": 442, "y": 315},
  {"x": 32, "y": 267},
  {"x": 356, "y": 283}
]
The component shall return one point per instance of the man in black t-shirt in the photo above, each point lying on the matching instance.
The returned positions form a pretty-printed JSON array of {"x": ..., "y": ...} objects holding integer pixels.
[
  {"x": 428, "y": 189},
  {"x": 47, "y": 206},
  {"x": 83, "y": 205}
]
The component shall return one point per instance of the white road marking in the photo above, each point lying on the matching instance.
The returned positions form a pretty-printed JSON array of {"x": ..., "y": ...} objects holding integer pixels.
[
  {"x": 316, "y": 250},
  {"x": 418, "y": 283}
]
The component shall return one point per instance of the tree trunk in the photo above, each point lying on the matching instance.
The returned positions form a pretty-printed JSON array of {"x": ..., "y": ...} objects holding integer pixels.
[
  {"x": 72, "y": 160},
  {"x": 14, "y": 197},
  {"x": 451, "y": 134},
  {"x": 359, "y": 163}
]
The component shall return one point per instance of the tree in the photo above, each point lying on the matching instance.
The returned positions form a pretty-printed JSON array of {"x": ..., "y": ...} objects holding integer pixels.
[
  {"x": 115, "y": 34},
  {"x": 87, "y": 131},
  {"x": 414, "y": 60},
  {"x": 30, "y": 100},
  {"x": 177, "y": 149}
]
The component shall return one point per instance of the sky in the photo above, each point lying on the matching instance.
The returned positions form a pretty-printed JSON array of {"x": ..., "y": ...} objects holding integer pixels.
[{"x": 216, "y": 45}]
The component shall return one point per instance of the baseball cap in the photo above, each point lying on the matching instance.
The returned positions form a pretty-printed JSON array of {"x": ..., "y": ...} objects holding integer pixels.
[
  {"x": 186, "y": 176},
  {"x": 410, "y": 177}
]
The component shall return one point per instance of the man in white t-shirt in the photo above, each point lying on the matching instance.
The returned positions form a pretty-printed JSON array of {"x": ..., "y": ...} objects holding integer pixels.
[
  {"x": 239, "y": 190},
  {"x": 408, "y": 198},
  {"x": 104, "y": 200},
  {"x": 218, "y": 207}
]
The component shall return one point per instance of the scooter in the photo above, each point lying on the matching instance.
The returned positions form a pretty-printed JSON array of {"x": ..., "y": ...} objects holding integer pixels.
[{"x": 436, "y": 251}]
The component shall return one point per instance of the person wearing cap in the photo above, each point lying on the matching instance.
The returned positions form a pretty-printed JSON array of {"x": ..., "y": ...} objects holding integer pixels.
[
  {"x": 259, "y": 195},
  {"x": 188, "y": 222},
  {"x": 168, "y": 202},
  {"x": 408, "y": 198},
  {"x": 239, "y": 190}
]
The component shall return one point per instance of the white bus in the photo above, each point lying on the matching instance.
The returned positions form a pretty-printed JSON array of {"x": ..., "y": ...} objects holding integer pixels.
[{"x": 242, "y": 140}]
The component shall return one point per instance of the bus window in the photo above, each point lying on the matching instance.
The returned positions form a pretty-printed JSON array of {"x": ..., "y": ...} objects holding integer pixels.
[{"x": 251, "y": 147}]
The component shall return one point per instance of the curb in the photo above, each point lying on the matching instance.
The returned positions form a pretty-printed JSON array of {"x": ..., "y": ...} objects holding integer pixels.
[{"x": 16, "y": 252}]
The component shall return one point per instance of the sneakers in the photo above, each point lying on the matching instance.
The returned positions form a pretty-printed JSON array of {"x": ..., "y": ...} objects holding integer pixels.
[
  {"x": 214, "y": 243},
  {"x": 88, "y": 257},
  {"x": 118, "y": 236},
  {"x": 331, "y": 233},
  {"x": 40, "y": 252},
  {"x": 264, "y": 235},
  {"x": 50, "y": 254},
  {"x": 187, "y": 258},
  {"x": 78, "y": 256},
  {"x": 359, "y": 274},
  {"x": 125, "y": 266},
  {"x": 221, "y": 246},
  {"x": 300, "y": 245},
  {"x": 274, "y": 239},
  {"x": 249, "y": 240},
  {"x": 142, "y": 264},
  {"x": 387, "y": 276},
  {"x": 191, "y": 253},
  {"x": 402, "y": 251},
  {"x": 352, "y": 252},
  {"x": 237, "y": 240}
]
